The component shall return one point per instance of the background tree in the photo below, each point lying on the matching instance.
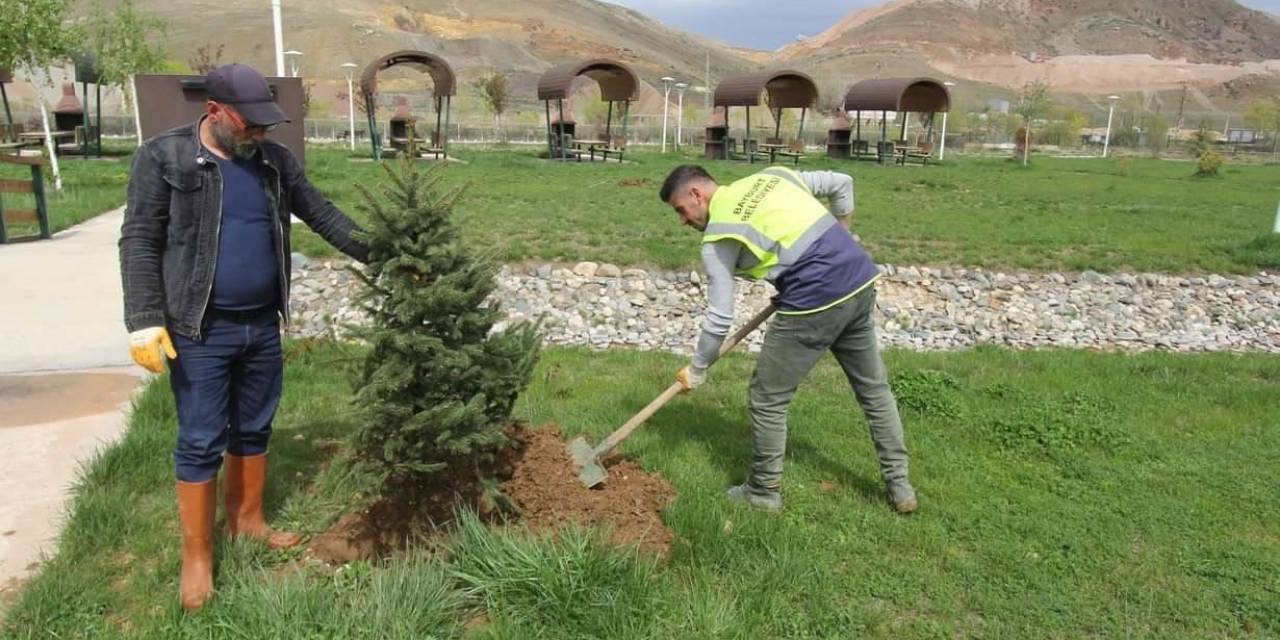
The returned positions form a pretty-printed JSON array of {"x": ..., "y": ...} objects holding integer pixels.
[
  {"x": 121, "y": 43},
  {"x": 438, "y": 384},
  {"x": 494, "y": 92},
  {"x": 33, "y": 37},
  {"x": 206, "y": 59},
  {"x": 1157, "y": 129},
  {"x": 1033, "y": 103},
  {"x": 1264, "y": 115}
]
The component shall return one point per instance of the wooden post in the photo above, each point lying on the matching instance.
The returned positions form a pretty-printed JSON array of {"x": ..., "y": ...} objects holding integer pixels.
[
  {"x": 551, "y": 151},
  {"x": 97, "y": 135},
  {"x": 858, "y": 114},
  {"x": 42, "y": 210},
  {"x": 374, "y": 138},
  {"x": 7, "y": 113},
  {"x": 84, "y": 120},
  {"x": 746, "y": 140},
  {"x": 439, "y": 133},
  {"x": 448, "y": 113},
  {"x": 560, "y": 107}
]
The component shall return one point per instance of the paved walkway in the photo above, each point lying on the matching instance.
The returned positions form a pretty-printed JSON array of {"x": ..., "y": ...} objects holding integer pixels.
[{"x": 65, "y": 378}]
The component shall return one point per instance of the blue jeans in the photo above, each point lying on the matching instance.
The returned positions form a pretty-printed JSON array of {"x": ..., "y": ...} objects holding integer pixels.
[{"x": 227, "y": 387}]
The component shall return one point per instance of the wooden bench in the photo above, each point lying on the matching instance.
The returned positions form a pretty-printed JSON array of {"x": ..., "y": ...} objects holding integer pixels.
[
  {"x": 794, "y": 150},
  {"x": 34, "y": 186},
  {"x": 922, "y": 153},
  {"x": 617, "y": 146}
]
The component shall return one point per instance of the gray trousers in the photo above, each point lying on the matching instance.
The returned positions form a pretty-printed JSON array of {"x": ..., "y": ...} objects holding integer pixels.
[{"x": 792, "y": 346}]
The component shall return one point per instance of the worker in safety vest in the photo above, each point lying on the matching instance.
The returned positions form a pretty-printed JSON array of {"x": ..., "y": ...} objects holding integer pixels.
[{"x": 772, "y": 225}]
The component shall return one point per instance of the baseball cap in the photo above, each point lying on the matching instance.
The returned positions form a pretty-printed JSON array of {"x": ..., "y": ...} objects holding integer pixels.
[{"x": 242, "y": 86}]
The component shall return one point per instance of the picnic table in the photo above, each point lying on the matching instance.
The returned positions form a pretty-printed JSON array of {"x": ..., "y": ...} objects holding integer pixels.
[
  {"x": 605, "y": 147},
  {"x": 772, "y": 148},
  {"x": 29, "y": 138}
]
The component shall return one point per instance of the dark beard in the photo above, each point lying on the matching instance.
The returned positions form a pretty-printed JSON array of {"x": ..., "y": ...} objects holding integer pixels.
[{"x": 225, "y": 139}]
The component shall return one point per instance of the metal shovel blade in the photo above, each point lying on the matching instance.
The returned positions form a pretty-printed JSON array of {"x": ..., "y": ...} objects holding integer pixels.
[{"x": 591, "y": 473}]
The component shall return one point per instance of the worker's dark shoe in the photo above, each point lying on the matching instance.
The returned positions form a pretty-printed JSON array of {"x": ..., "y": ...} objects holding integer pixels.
[
  {"x": 903, "y": 497},
  {"x": 758, "y": 498}
]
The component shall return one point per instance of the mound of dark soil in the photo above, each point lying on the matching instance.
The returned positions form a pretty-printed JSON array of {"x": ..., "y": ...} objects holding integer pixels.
[{"x": 537, "y": 486}]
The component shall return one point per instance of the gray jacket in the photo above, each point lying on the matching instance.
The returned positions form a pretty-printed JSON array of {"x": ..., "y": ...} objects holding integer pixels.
[{"x": 169, "y": 239}]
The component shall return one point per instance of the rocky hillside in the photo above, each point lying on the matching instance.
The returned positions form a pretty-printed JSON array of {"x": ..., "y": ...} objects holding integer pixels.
[
  {"x": 1203, "y": 31},
  {"x": 522, "y": 38}
]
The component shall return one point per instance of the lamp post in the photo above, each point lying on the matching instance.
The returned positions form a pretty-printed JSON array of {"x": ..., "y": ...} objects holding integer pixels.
[
  {"x": 1106, "y": 142},
  {"x": 666, "y": 94},
  {"x": 680, "y": 88},
  {"x": 275, "y": 22},
  {"x": 942, "y": 148},
  {"x": 349, "y": 70},
  {"x": 292, "y": 56}
]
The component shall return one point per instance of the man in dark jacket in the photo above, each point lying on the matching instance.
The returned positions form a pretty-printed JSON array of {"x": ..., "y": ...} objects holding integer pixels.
[{"x": 205, "y": 260}]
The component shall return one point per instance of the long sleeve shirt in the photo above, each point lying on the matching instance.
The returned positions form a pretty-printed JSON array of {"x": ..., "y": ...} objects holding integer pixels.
[{"x": 721, "y": 258}]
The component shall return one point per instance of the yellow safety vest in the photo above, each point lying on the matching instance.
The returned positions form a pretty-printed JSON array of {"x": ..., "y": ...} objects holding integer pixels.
[{"x": 773, "y": 214}]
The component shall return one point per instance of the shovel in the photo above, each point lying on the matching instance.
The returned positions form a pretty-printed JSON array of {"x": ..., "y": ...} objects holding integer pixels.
[{"x": 587, "y": 458}]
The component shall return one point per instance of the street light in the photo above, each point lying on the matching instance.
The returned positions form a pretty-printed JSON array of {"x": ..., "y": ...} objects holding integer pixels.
[
  {"x": 942, "y": 149},
  {"x": 1106, "y": 143},
  {"x": 680, "y": 87},
  {"x": 666, "y": 94},
  {"x": 293, "y": 55},
  {"x": 349, "y": 70}
]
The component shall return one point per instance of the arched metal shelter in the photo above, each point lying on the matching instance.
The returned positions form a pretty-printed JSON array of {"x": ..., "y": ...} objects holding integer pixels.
[
  {"x": 618, "y": 83},
  {"x": 784, "y": 89},
  {"x": 900, "y": 95},
  {"x": 444, "y": 88}
]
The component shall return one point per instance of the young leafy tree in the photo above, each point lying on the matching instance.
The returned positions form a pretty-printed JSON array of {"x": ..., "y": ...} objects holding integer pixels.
[
  {"x": 1264, "y": 115},
  {"x": 33, "y": 37},
  {"x": 1032, "y": 104},
  {"x": 122, "y": 43},
  {"x": 494, "y": 92},
  {"x": 438, "y": 383}
]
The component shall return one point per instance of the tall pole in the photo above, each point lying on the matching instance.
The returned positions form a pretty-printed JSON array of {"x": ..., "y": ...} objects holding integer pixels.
[
  {"x": 1106, "y": 142},
  {"x": 706, "y": 85},
  {"x": 942, "y": 148},
  {"x": 680, "y": 87},
  {"x": 349, "y": 68},
  {"x": 275, "y": 20},
  {"x": 666, "y": 96}
]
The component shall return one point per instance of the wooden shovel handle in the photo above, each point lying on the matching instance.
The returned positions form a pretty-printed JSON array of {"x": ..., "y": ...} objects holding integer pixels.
[
  {"x": 746, "y": 329},
  {"x": 676, "y": 388}
]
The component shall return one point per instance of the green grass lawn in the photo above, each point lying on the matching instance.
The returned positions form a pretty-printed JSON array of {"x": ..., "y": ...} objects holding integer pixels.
[
  {"x": 1059, "y": 214},
  {"x": 1064, "y": 495},
  {"x": 89, "y": 187}
]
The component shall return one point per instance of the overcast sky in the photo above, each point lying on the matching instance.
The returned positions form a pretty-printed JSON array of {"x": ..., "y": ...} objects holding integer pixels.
[{"x": 769, "y": 24}]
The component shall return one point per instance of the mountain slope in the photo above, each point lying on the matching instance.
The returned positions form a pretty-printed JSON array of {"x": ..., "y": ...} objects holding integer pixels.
[
  {"x": 1202, "y": 31},
  {"x": 522, "y": 39}
]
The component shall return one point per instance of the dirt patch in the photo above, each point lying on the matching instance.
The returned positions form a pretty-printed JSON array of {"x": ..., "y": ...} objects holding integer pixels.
[
  {"x": 546, "y": 489},
  {"x": 634, "y": 182},
  {"x": 537, "y": 485},
  {"x": 61, "y": 396}
]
